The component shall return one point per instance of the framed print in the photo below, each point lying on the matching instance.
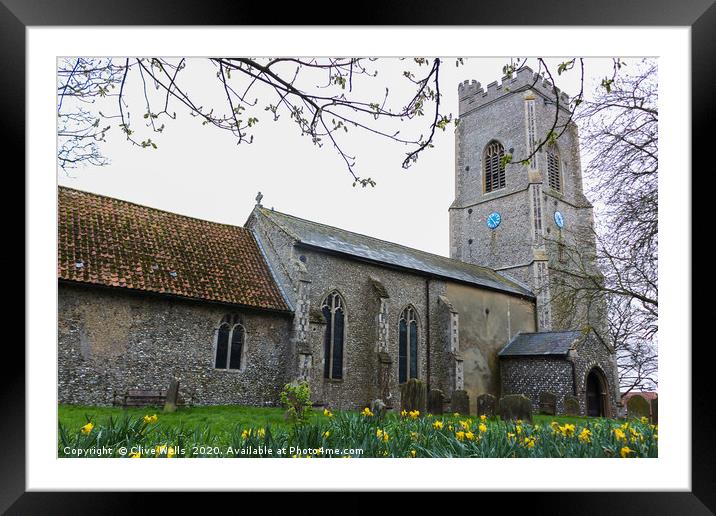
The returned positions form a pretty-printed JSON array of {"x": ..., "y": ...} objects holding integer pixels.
[{"x": 444, "y": 258}]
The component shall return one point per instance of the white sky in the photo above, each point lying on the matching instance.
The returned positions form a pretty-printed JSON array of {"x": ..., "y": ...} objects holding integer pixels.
[{"x": 200, "y": 171}]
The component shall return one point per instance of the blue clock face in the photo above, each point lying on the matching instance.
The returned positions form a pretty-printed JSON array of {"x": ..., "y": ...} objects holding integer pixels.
[
  {"x": 493, "y": 220},
  {"x": 559, "y": 219}
]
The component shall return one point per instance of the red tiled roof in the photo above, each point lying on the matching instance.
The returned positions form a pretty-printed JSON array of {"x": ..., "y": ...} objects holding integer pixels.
[{"x": 106, "y": 241}]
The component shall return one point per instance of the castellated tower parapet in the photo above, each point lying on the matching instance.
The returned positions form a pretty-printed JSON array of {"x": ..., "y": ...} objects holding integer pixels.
[{"x": 471, "y": 94}]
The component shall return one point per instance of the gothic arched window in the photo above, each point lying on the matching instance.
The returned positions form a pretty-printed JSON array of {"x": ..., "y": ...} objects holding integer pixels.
[
  {"x": 333, "y": 309},
  {"x": 230, "y": 343},
  {"x": 554, "y": 176},
  {"x": 494, "y": 166},
  {"x": 407, "y": 345}
]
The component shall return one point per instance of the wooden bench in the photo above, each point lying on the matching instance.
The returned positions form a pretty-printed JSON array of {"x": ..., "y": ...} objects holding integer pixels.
[{"x": 142, "y": 398}]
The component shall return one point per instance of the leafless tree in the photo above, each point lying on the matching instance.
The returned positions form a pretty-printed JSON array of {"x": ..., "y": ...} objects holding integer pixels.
[{"x": 612, "y": 269}]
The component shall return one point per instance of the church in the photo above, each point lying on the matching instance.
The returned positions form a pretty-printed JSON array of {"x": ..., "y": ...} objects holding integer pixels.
[{"x": 234, "y": 313}]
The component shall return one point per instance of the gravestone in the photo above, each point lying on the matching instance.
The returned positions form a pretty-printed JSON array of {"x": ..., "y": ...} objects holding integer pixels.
[
  {"x": 460, "y": 403},
  {"x": 435, "y": 401},
  {"x": 548, "y": 403},
  {"x": 637, "y": 407},
  {"x": 571, "y": 405},
  {"x": 516, "y": 406},
  {"x": 413, "y": 394},
  {"x": 655, "y": 411},
  {"x": 486, "y": 405},
  {"x": 170, "y": 403},
  {"x": 378, "y": 408}
]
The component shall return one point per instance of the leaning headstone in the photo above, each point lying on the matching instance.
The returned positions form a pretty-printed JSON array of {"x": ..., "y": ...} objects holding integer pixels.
[
  {"x": 637, "y": 407},
  {"x": 413, "y": 394},
  {"x": 516, "y": 406},
  {"x": 486, "y": 405},
  {"x": 378, "y": 408},
  {"x": 571, "y": 405},
  {"x": 460, "y": 403},
  {"x": 435, "y": 401},
  {"x": 170, "y": 403},
  {"x": 655, "y": 411},
  {"x": 547, "y": 403}
]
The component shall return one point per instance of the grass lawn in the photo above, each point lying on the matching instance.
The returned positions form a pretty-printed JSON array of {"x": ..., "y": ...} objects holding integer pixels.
[{"x": 220, "y": 418}]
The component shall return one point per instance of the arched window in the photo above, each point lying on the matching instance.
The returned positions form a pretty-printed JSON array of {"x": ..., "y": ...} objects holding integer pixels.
[
  {"x": 494, "y": 166},
  {"x": 230, "y": 343},
  {"x": 407, "y": 345},
  {"x": 554, "y": 175},
  {"x": 333, "y": 309}
]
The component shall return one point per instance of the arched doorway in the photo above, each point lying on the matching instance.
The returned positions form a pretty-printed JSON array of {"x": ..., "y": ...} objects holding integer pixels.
[{"x": 596, "y": 394}]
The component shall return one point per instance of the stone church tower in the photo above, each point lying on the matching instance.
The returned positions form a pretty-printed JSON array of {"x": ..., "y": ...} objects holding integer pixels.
[{"x": 531, "y": 221}]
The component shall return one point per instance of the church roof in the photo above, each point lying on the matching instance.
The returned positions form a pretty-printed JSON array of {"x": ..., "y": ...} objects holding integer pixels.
[
  {"x": 363, "y": 247},
  {"x": 541, "y": 344},
  {"x": 114, "y": 243}
]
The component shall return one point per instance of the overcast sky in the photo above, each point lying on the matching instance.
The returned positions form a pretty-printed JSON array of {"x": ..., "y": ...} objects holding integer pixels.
[{"x": 200, "y": 171}]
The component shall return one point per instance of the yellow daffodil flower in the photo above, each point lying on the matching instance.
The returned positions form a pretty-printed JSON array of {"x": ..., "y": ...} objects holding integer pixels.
[
  {"x": 465, "y": 424},
  {"x": 438, "y": 425},
  {"x": 135, "y": 455},
  {"x": 460, "y": 436},
  {"x": 403, "y": 413},
  {"x": 482, "y": 428},
  {"x": 326, "y": 434},
  {"x": 413, "y": 453},
  {"x": 470, "y": 436},
  {"x": 150, "y": 419},
  {"x": 584, "y": 435},
  {"x": 625, "y": 451},
  {"x": 644, "y": 420},
  {"x": 171, "y": 452},
  {"x": 87, "y": 428},
  {"x": 619, "y": 434},
  {"x": 261, "y": 432},
  {"x": 366, "y": 412},
  {"x": 414, "y": 414},
  {"x": 483, "y": 417},
  {"x": 327, "y": 413}
]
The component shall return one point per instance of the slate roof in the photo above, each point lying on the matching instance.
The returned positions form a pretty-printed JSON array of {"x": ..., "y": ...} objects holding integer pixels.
[
  {"x": 541, "y": 344},
  {"x": 364, "y": 247},
  {"x": 106, "y": 241}
]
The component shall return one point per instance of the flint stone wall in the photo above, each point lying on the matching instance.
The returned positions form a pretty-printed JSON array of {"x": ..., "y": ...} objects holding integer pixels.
[{"x": 111, "y": 340}]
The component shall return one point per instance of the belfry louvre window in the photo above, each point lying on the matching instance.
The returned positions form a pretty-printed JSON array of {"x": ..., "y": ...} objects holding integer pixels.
[
  {"x": 407, "y": 345},
  {"x": 494, "y": 167},
  {"x": 553, "y": 172},
  {"x": 333, "y": 309},
  {"x": 230, "y": 343}
]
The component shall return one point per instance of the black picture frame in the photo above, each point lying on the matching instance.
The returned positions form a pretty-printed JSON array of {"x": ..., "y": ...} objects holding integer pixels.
[{"x": 700, "y": 16}]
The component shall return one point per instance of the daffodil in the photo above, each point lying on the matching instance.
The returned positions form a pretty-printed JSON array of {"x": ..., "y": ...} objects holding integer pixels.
[
  {"x": 482, "y": 428},
  {"x": 382, "y": 435},
  {"x": 644, "y": 420},
  {"x": 625, "y": 451},
  {"x": 567, "y": 430},
  {"x": 483, "y": 417},
  {"x": 326, "y": 434},
  {"x": 403, "y": 413},
  {"x": 510, "y": 435},
  {"x": 469, "y": 436},
  {"x": 135, "y": 455},
  {"x": 529, "y": 442},
  {"x": 414, "y": 414},
  {"x": 246, "y": 433},
  {"x": 171, "y": 452},
  {"x": 619, "y": 434},
  {"x": 456, "y": 414},
  {"x": 413, "y": 453},
  {"x": 518, "y": 429},
  {"x": 327, "y": 413},
  {"x": 366, "y": 412},
  {"x": 87, "y": 428},
  {"x": 414, "y": 436},
  {"x": 465, "y": 424},
  {"x": 585, "y": 434},
  {"x": 460, "y": 436},
  {"x": 150, "y": 419},
  {"x": 438, "y": 425},
  {"x": 261, "y": 432}
]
